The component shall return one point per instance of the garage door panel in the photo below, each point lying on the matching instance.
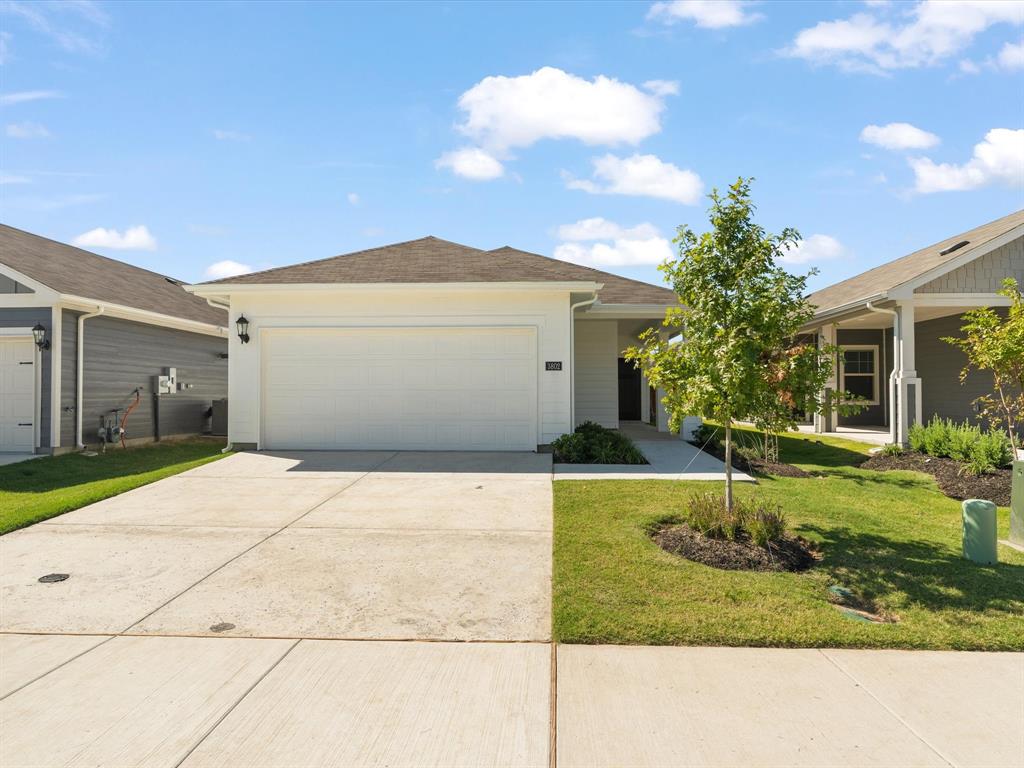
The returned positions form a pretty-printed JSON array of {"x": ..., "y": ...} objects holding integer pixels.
[{"x": 412, "y": 388}]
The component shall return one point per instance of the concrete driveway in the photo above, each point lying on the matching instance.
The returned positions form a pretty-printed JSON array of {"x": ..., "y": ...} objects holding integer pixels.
[{"x": 424, "y": 546}]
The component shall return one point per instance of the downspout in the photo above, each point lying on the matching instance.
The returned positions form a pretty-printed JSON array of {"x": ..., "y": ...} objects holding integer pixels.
[
  {"x": 572, "y": 357},
  {"x": 80, "y": 355},
  {"x": 896, "y": 365},
  {"x": 218, "y": 305}
]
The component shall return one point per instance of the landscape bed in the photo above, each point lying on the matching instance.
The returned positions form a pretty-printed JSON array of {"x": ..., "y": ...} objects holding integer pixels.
[{"x": 892, "y": 540}]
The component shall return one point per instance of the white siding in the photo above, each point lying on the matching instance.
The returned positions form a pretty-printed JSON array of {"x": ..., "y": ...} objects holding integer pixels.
[
  {"x": 545, "y": 311},
  {"x": 597, "y": 372}
]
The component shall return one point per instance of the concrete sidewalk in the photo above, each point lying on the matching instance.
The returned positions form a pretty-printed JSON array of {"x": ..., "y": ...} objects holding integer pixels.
[{"x": 669, "y": 457}]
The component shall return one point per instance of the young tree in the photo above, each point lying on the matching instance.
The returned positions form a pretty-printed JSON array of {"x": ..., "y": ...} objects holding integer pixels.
[
  {"x": 739, "y": 319},
  {"x": 996, "y": 344}
]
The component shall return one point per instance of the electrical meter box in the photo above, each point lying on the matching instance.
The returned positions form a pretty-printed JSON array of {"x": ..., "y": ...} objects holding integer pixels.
[{"x": 167, "y": 384}]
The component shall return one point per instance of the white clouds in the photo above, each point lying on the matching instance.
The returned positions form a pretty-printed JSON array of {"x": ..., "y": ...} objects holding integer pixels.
[
  {"x": 222, "y": 135},
  {"x": 662, "y": 87},
  {"x": 709, "y": 14},
  {"x": 10, "y": 178},
  {"x": 227, "y": 268},
  {"x": 27, "y": 130},
  {"x": 471, "y": 163},
  {"x": 505, "y": 112},
  {"x": 898, "y": 136},
  {"x": 814, "y": 249},
  {"x": 1011, "y": 57},
  {"x": 890, "y": 39},
  {"x": 51, "y": 19},
  {"x": 133, "y": 239},
  {"x": 353, "y": 198},
  {"x": 598, "y": 242},
  {"x": 997, "y": 159},
  {"x": 641, "y": 175},
  {"x": 20, "y": 97}
]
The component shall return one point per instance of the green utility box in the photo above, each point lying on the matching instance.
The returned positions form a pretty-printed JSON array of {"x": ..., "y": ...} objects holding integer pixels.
[
  {"x": 1017, "y": 504},
  {"x": 980, "y": 535}
]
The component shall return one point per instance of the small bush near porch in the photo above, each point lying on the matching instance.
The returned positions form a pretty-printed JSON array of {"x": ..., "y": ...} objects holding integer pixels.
[
  {"x": 593, "y": 444},
  {"x": 891, "y": 541}
]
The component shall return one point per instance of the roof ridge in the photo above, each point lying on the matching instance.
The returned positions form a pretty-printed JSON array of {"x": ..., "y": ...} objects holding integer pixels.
[
  {"x": 92, "y": 253},
  {"x": 581, "y": 266},
  {"x": 345, "y": 255}
]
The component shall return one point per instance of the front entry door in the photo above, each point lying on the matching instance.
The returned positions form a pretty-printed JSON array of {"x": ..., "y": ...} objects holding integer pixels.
[{"x": 629, "y": 391}]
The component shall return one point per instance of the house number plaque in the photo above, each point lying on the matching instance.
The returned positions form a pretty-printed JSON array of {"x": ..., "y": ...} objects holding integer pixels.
[{"x": 553, "y": 365}]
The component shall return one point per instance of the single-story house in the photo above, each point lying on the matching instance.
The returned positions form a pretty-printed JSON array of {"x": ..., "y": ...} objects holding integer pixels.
[
  {"x": 432, "y": 345},
  {"x": 889, "y": 323},
  {"x": 83, "y": 337}
]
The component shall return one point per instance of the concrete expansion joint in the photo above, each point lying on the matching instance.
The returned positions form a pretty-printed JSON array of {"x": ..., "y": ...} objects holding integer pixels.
[{"x": 883, "y": 705}]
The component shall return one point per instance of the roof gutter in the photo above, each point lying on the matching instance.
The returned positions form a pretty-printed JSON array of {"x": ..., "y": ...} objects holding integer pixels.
[
  {"x": 572, "y": 356},
  {"x": 224, "y": 289},
  {"x": 80, "y": 355},
  {"x": 821, "y": 317}
]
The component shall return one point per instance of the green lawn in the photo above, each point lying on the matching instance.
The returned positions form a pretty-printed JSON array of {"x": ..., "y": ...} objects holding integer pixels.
[
  {"x": 35, "y": 490},
  {"x": 890, "y": 537}
]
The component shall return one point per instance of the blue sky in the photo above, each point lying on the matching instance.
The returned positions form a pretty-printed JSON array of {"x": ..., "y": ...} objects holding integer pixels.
[{"x": 182, "y": 136}]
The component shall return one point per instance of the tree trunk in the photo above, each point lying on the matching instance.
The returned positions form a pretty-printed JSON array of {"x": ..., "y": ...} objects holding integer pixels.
[{"x": 728, "y": 465}]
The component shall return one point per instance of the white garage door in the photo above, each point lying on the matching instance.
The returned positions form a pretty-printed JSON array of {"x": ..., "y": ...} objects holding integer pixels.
[
  {"x": 17, "y": 395},
  {"x": 400, "y": 388}
]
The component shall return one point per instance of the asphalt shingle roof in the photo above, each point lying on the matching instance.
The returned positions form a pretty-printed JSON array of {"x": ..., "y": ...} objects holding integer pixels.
[
  {"x": 72, "y": 271},
  {"x": 432, "y": 260},
  {"x": 896, "y": 273}
]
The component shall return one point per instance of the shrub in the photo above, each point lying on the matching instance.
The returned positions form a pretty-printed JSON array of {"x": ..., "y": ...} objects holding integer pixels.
[
  {"x": 915, "y": 436},
  {"x": 892, "y": 449},
  {"x": 992, "y": 450},
  {"x": 763, "y": 522},
  {"x": 705, "y": 434},
  {"x": 936, "y": 437},
  {"x": 593, "y": 444},
  {"x": 978, "y": 451}
]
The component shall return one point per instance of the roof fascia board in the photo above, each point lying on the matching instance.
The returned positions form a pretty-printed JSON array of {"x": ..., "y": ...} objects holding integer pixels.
[
  {"x": 144, "y": 316},
  {"x": 224, "y": 289},
  {"x": 44, "y": 292},
  {"x": 628, "y": 311},
  {"x": 848, "y": 307},
  {"x": 904, "y": 290}
]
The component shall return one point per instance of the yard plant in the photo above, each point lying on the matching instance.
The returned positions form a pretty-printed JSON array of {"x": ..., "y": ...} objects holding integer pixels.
[
  {"x": 593, "y": 444},
  {"x": 740, "y": 315},
  {"x": 979, "y": 451}
]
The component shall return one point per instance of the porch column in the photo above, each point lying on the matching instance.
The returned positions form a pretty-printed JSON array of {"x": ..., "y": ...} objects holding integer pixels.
[
  {"x": 660, "y": 413},
  {"x": 826, "y": 420},
  {"x": 908, "y": 385}
]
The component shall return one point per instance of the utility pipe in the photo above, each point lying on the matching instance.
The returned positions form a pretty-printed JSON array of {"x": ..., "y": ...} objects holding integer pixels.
[
  {"x": 81, "y": 373},
  {"x": 572, "y": 357},
  {"x": 897, "y": 364}
]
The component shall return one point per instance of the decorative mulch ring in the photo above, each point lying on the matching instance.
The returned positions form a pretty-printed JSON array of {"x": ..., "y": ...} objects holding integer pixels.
[
  {"x": 790, "y": 554},
  {"x": 757, "y": 466},
  {"x": 950, "y": 476}
]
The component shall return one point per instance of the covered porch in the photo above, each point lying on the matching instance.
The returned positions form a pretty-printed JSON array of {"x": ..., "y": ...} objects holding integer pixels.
[{"x": 893, "y": 356}]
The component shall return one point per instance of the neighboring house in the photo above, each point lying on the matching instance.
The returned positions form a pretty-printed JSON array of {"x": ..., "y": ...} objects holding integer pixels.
[
  {"x": 430, "y": 344},
  {"x": 889, "y": 323},
  {"x": 55, "y": 395}
]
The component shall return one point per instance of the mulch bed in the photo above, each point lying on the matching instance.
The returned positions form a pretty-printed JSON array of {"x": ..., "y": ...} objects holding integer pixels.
[
  {"x": 789, "y": 554},
  {"x": 756, "y": 466},
  {"x": 949, "y": 474}
]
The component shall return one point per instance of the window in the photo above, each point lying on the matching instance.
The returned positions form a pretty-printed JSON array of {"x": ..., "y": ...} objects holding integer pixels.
[{"x": 859, "y": 372}]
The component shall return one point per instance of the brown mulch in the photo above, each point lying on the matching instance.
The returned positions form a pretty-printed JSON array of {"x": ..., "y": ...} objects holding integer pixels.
[
  {"x": 950, "y": 476},
  {"x": 756, "y": 466},
  {"x": 790, "y": 554}
]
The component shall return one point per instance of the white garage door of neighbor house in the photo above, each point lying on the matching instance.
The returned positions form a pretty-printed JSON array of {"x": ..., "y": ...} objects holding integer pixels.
[
  {"x": 400, "y": 388},
  {"x": 17, "y": 395}
]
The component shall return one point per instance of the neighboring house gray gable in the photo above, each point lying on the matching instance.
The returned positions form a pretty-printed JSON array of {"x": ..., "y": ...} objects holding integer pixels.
[{"x": 983, "y": 275}]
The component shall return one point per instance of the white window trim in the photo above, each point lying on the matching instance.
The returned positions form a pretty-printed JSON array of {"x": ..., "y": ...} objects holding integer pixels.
[{"x": 842, "y": 369}]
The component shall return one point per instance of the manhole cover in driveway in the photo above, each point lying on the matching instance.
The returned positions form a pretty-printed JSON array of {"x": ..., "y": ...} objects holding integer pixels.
[
  {"x": 51, "y": 578},
  {"x": 223, "y": 626}
]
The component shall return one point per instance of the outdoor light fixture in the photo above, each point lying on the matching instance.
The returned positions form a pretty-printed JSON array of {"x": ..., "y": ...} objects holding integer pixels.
[
  {"x": 242, "y": 323},
  {"x": 39, "y": 334}
]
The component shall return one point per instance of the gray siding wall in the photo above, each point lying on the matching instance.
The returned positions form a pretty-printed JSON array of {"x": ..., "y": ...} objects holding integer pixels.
[
  {"x": 984, "y": 275},
  {"x": 121, "y": 355},
  {"x": 26, "y": 317},
  {"x": 939, "y": 365},
  {"x": 872, "y": 415},
  {"x": 10, "y": 285}
]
